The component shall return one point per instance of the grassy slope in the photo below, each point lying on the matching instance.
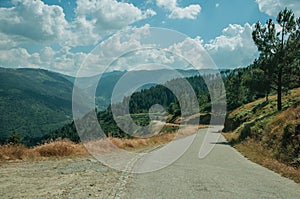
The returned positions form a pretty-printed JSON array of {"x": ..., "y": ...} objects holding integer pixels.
[{"x": 266, "y": 136}]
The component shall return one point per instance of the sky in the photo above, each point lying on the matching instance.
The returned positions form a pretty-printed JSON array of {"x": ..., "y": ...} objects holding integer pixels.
[{"x": 64, "y": 35}]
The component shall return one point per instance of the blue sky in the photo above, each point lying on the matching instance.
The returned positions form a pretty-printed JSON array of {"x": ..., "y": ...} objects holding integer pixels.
[{"x": 59, "y": 34}]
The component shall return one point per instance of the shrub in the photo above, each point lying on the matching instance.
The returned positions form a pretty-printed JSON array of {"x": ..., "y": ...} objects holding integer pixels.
[
  {"x": 15, "y": 152},
  {"x": 60, "y": 148},
  {"x": 290, "y": 144}
]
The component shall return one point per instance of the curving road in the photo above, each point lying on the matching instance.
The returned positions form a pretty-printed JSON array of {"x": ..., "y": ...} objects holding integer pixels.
[{"x": 224, "y": 173}]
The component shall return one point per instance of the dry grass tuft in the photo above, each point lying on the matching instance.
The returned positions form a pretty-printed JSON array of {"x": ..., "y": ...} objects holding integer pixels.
[
  {"x": 13, "y": 152},
  {"x": 142, "y": 142},
  {"x": 56, "y": 148},
  {"x": 231, "y": 137},
  {"x": 60, "y": 148},
  {"x": 136, "y": 143}
]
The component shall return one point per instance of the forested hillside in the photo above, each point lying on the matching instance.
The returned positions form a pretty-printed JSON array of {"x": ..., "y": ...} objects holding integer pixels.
[
  {"x": 35, "y": 102},
  {"x": 140, "y": 102},
  {"x": 31, "y": 104}
]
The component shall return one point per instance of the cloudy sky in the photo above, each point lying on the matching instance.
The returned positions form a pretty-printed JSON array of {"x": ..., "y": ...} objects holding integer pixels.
[{"x": 60, "y": 34}]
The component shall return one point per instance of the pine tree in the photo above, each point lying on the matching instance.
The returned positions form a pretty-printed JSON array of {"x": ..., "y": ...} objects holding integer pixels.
[{"x": 278, "y": 49}]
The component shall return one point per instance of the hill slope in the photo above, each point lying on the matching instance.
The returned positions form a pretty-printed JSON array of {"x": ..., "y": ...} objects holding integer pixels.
[
  {"x": 268, "y": 136},
  {"x": 33, "y": 102}
]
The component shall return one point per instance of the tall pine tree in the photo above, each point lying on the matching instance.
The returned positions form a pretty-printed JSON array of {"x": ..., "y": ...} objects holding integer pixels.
[{"x": 278, "y": 44}]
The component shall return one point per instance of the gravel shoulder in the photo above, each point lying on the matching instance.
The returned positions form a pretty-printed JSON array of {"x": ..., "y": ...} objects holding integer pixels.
[{"x": 77, "y": 177}]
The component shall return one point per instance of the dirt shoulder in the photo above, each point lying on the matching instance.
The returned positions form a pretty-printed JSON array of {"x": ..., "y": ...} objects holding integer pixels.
[
  {"x": 48, "y": 171},
  {"x": 76, "y": 177}
]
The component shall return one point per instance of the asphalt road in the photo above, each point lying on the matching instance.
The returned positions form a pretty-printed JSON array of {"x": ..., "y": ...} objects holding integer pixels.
[{"x": 224, "y": 173}]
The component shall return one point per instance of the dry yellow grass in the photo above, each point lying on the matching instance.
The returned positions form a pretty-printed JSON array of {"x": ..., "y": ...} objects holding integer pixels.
[
  {"x": 14, "y": 152},
  {"x": 64, "y": 147},
  {"x": 143, "y": 142},
  {"x": 109, "y": 144},
  {"x": 263, "y": 144},
  {"x": 58, "y": 148},
  {"x": 258, "y": 154}
]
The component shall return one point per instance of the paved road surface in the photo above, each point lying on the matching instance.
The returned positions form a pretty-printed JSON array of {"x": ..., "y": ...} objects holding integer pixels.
[{"x": 224, "y": 173}]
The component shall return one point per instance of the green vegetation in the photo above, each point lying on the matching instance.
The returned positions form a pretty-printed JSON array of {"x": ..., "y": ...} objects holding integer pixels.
[
  {"x": 31, "y": 104},
  {"x": 240, "y": 89},
  {"x": 237, "y": 91},
  {"x": 35, "y": 102},
  {"x": 139, "y": 105},
  {"x": 268, "y": 130},
  {"x": 279, "y": 58},
  {"x": 267, "y": 136}
]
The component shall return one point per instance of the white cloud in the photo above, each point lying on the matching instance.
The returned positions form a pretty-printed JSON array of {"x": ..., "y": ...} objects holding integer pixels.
[
  {"x": 232, "y": 49},
  {"x": 33, "y": 20},
  {"x": 83, "y": 33},
  {"x": 47, "y": 54},
  {"x": 98, "y": 18},
  {"x": 167, "y": 4},
  {"x": 137, "y": 47},
  {"x": 235, "y": 48},
  {"x": 193, "y": 51},
  {"x": 60, "y": 61},
  {"x": 8, "y": 41},
  {"x": 122, "y": 43},
  {"x": 28, "y": 21},
  {"x": 217, "y": 5},
  {"x": 149, "y": 13},
  {"x": 65, "y": 61},
  {"x": 189, "y": 12},
  {"x": 18, "y": 58},
  {"x": 110, "y": 14},
  {"x": 273, "y": 7}
]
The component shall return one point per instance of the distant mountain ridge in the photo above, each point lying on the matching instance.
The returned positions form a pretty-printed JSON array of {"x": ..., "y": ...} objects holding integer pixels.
[{"x": 34, "y": 102}]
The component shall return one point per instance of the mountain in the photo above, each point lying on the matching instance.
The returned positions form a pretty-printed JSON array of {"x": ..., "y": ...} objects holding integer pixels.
[
  {"x": 139, "y": 105},
  {"x": 33, "y": 102},
  {"x": 109, "y": 80}
]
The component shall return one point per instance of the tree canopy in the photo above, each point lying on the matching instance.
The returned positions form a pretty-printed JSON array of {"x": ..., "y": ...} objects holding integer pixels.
[{"x": 279, "y": 46}]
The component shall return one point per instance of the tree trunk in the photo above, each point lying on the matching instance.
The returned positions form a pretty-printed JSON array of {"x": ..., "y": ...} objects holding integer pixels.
[
  {"x": 279, "y": 102},
  {"x": 279, "y": 91}
]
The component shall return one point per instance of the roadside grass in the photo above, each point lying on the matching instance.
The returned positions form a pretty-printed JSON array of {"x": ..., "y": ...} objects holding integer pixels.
[
  {"x": 255, "y": 152},
  {"x": 260, "y": 109},
  {"x": 65, "y": 147},
  {"x": 266, "y": 136},
  {"x": 158, "y": 139},
  {"x": 58, "y": 148}
]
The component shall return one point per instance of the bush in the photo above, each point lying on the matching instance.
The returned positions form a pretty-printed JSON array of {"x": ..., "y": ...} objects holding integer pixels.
[
  {"x": 15, "y": 152},
  {"x": 245, "y": 132},
  {"x": 60, "y": 148},
  {"x": 290, "y": 144}
]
